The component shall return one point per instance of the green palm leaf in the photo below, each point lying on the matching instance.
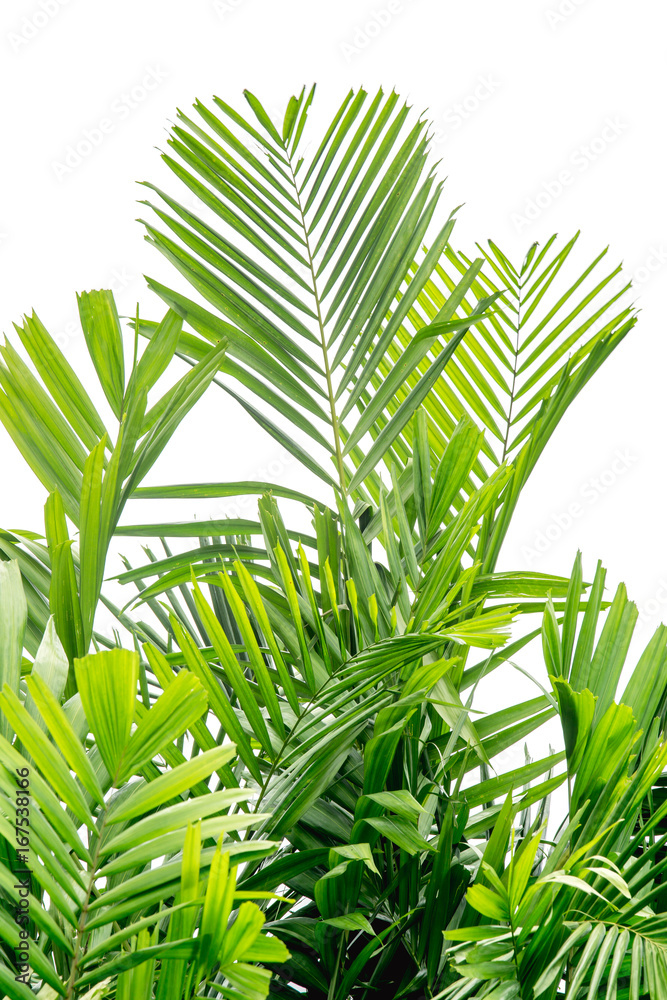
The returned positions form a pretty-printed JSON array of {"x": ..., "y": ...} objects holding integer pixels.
[
  {"x": 125, "y": 828},
  {"x": 332, "y": 235}
]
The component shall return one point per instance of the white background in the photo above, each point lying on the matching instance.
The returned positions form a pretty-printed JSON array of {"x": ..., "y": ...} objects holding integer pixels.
[{"x": 517, "y": 92}]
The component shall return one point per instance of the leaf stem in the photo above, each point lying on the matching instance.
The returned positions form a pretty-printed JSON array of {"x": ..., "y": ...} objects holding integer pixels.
[
  {"x": 81, "y": 926},
  {"x": 514, "y": 374},
  {"x": 320, "y": 322}
]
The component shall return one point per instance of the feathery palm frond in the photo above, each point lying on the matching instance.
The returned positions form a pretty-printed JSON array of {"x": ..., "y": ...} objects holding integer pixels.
[
  {"x": 307, "y": 262},
  {"x": 87, "y": 843},
  {"x": 313, "y": 251},
  {"x": 570, "y": 917},
  {"x": 322, "y": 674},
  {"x": 65, "y": 442}
]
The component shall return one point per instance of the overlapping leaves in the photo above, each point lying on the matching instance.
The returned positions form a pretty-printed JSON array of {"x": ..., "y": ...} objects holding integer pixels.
[{"x": 115, "y": 875}]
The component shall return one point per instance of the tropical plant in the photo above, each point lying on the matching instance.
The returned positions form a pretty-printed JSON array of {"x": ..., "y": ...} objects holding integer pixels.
[
  {"x": 333, "y": 308},
  {"x": 319, "y": 665},
  {"x": 587, "y": 916},
  {"x": 66, "y": 444},
  {"x": 83, "y": 881}
]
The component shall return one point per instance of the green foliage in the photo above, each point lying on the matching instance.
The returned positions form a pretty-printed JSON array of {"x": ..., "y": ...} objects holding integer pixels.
[
  {"x": 284, "y": 785},
  {"x": 64, "y": 441},
  {"x": 116, "y": 866}
]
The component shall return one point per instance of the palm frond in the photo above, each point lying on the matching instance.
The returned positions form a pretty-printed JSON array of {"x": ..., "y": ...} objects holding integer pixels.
[
  {"x": 95, "y": 884},
  {"x": 299, "y": 259}
]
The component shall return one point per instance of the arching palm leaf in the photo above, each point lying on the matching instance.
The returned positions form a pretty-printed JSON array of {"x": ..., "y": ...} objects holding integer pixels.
[
  {"x": 300, "y": 256},
  {"x": 311, "y": 263},
  {"x": 112, "y": 869}
]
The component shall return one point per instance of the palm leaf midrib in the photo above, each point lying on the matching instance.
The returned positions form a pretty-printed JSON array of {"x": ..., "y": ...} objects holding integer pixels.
[
  {"x": 335, "y": 423},
  {"x": 515, "y": 371}
]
